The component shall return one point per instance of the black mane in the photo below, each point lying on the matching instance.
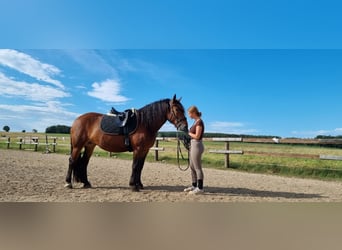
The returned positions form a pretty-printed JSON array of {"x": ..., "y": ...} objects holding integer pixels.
[{"x": 154, "y": 113}]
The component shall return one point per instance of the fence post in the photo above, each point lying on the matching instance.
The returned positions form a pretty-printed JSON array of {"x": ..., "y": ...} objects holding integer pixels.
[
  {"x": 156, "y": 154},
  {"x": 227, "y": 151},
  {"x": 35, "y": 140},
  {"x": 8, "y": 142},
  {"x": 226, "y": 162},
  {"x": 54, "y": 144},
  {"x": 20, "y": 143}
]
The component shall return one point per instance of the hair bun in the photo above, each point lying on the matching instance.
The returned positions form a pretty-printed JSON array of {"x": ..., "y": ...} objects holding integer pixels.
[{"x": 194, "y": 109}]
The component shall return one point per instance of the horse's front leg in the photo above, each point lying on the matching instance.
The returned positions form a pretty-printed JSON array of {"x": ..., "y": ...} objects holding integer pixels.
[{"x": 137, "y": 166}]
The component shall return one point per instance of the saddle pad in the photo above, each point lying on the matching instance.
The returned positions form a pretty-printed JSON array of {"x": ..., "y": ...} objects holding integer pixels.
[{"x": 110, "y": 125}]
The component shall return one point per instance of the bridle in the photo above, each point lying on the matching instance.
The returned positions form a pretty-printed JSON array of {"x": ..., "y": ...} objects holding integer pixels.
[{"x": 178, "y": 122}]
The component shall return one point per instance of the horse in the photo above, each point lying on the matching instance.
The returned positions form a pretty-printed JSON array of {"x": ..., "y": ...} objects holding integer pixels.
[{"x": 86, "y": 132}]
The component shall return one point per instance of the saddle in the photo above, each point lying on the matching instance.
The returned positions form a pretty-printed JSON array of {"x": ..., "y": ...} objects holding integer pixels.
[
  {"x": 120, "y": 123},
  {"x": 120, "y": 118}
]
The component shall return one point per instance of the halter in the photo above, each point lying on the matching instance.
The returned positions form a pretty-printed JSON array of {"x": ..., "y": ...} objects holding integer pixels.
[
  {"x": 179, "y": 150},
  {"x": 174, "y": 117}
]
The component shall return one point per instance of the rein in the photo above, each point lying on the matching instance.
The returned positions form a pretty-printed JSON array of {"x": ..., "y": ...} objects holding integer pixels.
[{"x": 180, "y": 153}]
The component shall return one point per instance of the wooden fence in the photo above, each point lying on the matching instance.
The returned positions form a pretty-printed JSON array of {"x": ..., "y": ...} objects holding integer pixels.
[
  {"x": 228, "y": 152},
  {"x": 32, "y": 143},
  {"x": 156, "y": 148}
]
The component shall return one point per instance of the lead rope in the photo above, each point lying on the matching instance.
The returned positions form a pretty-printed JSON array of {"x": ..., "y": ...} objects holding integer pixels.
[{"x": 179, "y": 152}]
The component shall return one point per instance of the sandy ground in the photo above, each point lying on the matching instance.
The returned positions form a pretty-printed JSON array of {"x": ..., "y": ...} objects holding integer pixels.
[{"x": 31, "y": 176}]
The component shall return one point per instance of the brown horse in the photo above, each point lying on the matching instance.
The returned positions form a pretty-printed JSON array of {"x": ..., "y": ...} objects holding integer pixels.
[{"x": 86, "y": 133}]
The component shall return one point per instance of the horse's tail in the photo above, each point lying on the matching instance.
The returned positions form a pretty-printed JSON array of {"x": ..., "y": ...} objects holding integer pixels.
[
  {"x": 71, "y": 147},
  {"x": 77, "y": 170},
  {"x": 76, "y": 164}
]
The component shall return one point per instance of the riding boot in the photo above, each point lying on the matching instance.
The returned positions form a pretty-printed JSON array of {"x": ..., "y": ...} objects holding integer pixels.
[{"x": 200, "y": 184}]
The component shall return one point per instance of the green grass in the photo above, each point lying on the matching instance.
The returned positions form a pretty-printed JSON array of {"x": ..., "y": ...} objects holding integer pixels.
[{"x": 285, "y": 166}]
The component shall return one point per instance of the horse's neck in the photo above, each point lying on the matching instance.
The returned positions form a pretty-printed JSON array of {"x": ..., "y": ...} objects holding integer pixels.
[
  {"x": 153, "y": 120},
  {"x": 159, "y": 125}
]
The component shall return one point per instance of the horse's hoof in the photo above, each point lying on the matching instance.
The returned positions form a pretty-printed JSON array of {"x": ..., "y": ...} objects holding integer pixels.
[
  {"x": 87, "y": 185},
  {"x": 68, "y": 185}
]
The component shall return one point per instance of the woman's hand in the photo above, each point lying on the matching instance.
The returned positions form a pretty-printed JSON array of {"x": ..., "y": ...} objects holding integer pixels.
[{"x": 191, "y": 135}]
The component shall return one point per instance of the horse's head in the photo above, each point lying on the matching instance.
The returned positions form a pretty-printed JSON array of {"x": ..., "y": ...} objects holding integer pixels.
[{"x": 177, "y": 114}]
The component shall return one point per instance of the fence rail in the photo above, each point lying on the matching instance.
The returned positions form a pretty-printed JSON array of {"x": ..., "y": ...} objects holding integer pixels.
[
  {"x": 34, "y": 141},
  {"x": 228, "y": 152}
]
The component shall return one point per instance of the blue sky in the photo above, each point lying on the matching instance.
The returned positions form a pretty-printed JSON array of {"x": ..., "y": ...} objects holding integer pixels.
[
  {"x": 166, "y": 24},
  {"x": 252, "y": 67},
  {"x": 262, "y": 92}
]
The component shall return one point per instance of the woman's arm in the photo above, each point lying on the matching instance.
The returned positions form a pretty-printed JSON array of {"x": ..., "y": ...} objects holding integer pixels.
[{"x": 198, "y": 133}]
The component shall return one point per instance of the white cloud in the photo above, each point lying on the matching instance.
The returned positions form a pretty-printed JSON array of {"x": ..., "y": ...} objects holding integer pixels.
[
  {"x": 26, "y": 64},
  {"x": 31, "y": 105},
  {"x": 229, "y": 128},
  {"x": 51, "y": 107},
  {"x": 36, "y": 116},
  {"x": 159, "y": 73},
  {"x": 93, "y": 62},
  {"x": 29, "y": 91},
  {"x": 80, "y": 87},
  {"x": 108, "y": 91},
  {"x": 220, "y": 125}
]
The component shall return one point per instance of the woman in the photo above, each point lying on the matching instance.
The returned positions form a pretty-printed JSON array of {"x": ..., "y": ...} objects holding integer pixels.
[{"x": 196, "y": 151}]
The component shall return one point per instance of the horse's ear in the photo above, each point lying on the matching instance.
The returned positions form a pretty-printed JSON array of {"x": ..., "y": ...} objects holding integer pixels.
[{"x": 174, "y": 97}]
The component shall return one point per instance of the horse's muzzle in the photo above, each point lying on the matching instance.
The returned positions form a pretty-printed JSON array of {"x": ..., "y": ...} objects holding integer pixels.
[{"x": 183, "y": 128}]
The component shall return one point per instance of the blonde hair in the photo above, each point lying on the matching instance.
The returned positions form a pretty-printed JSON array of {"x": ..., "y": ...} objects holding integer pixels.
[{"x": 194, "y": 110}]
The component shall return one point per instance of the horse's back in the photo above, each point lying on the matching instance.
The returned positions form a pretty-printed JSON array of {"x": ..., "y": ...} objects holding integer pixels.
[
  {"x": 86, "y": 122},
  {"x": 88, "y": 117},
  {"x": 86, "y": 129}
]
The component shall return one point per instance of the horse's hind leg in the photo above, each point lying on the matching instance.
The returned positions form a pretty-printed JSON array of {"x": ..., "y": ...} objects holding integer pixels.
[
  {"x": 80, "y": 170},
  {"x": 73, "y": 161}
]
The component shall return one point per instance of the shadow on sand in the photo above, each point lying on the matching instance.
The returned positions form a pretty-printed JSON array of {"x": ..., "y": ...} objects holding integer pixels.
[
  {"x": 245, "y": 192},
  {"x": 229, "y": 191}
]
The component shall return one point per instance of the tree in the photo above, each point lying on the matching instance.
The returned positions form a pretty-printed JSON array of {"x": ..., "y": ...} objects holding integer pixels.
[
  {"x": 34, "y": 131},
  {"x": 6, "y": 128},
  {"x": 60, "y": 129}
]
